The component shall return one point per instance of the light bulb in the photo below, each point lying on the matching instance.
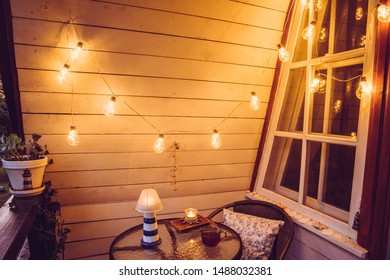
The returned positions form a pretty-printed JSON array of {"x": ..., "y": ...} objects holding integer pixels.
[
  {"x": 109, "y": 109},
  {"x": 359, "y": 13},
  {"x": 284, "y": 55},
  {"x": 255, "y": 102},
  {"x": 159, "y": 145},
  {"x": 315, "y": 85},
  {"x": 63, "y": 72},
  {"x": 308, "y": 32},
  {"x": 383, "y": 13},
  {"x": 318, "y": 4},
  {"x": 77, "y": 50},
  {"x": 354, "y": 135},
  {"x": 73, "y": 138},
  {"x": 362, "y": 40},
  {"x": 363, "y": 92},
  {"x": 216, "y": 141},
  {"x": 306, "y": 3},
  {"x": 338, "y": 106},
  {"x": 323, "y": 35}
]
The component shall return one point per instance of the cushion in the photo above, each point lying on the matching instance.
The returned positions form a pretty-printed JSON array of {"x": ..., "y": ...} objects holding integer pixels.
[{"x": 257, "y": 234}]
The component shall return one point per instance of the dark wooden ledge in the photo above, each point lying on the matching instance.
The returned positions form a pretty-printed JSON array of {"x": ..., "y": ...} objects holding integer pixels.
[{"x": 16, "y": 219}]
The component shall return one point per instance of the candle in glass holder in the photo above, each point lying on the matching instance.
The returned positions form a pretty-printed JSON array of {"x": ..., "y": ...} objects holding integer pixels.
[{"x": 191, "y": 214}]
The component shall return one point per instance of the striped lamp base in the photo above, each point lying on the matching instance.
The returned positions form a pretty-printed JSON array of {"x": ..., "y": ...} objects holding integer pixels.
[{"x": 151, "y": 237}]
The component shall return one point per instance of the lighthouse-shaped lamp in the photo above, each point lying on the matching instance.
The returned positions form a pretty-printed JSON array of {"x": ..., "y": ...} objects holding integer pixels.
[{"x": 149, "y": 203}]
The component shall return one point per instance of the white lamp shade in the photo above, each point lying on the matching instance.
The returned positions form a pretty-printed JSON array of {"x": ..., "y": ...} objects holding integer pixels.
[{"x": 149, "y": 201}]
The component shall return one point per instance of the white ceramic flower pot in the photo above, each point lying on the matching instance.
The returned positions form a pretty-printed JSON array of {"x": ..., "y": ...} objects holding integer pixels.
[{"x": 25, "y": 176}]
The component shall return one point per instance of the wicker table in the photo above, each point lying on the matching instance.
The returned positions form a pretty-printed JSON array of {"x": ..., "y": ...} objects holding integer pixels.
[{"x": 175, "y": 245}]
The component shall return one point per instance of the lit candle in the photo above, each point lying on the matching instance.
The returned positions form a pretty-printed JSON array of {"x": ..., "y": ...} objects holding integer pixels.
[{"x": 191, "y": 214}]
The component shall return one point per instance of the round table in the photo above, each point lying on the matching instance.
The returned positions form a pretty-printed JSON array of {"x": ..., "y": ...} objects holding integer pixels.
[{"x": 175, "y": 245}]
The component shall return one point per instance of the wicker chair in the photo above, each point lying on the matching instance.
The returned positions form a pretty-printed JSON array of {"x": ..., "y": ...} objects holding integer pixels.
[{"x": 266, "y": 210}]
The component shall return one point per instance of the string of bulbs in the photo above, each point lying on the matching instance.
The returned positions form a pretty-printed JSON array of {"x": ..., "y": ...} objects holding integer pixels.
[
  {"x": 317, "y": 84},
  {"x": 73, "y": 139}
]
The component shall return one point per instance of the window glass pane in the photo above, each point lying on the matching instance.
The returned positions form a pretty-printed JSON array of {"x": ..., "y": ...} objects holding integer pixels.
[
  {"x": 313, "y": 162},
  {"x": 318, "y": 93},
  {"x": 339, "y": 175},
  {"x": 351, "y": 20},
  {"x": 284, "y": 164},
  {"x": 5, "y": 122},
  {"x": 344, "y": 105},
  {"x": 321, "y": 45},
  {"x": 300, "y": 52},
  {"x": 291, "y": 115}
]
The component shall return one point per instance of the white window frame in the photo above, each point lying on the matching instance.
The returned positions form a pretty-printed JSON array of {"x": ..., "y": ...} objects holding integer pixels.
[{"x": 356, "y": 56}]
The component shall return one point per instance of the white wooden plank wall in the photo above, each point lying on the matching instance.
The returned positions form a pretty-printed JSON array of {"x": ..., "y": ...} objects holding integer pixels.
[{"x": 183, "y": 65}]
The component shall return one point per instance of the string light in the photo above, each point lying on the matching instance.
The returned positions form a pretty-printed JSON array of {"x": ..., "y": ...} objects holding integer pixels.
[
  {"x": 73, "y": 138},
  {"x": 318, "y": 84},
  {"x": 323, "y": 35},
  {"x": 308, "y": 32},
  {"x": 284, "y": 55},
  {"x": 338, "y": 106},
  {"x": 363, "y": 92},
  {"x": 383, "y": 13},
  {"x": 216, "y": 141},
  {"x": 318, "y": 4},
  {"x": 159, "y": 145},
  {"x": 359, "y": 13},
  {"x": 306, "y": 3},
  {"x": 63, "y": 73},
  {"x": 255, "y": 102},
  {"x": 77, "y": 50},
  {"x": 109, "y": 109}
]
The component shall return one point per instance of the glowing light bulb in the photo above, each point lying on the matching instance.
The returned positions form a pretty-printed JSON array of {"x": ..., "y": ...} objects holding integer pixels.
[
  {"x": 362, "y": 40},
  {"x": 159, "y": 145},
  {"x": 338, "y": 106},
  {"x": 354, "y": 135},
  {"x": 323, "y": 35},
  {"x": 255, "y": 102},
  {"x": 216, "y": 141},
  {"x": 109, "y": 109},
  {"x": 63, "y": 72},
  {"x": 306, "y": 3},
  {"x": 284, "y": 55},
  {"x": 383, "y": 13},
  {"x": 318, "y": 4},
  {"x": 73, "y": 138},
  {"x": 315, "y": 85},
  {"x": 308, "y": 32},
  {"x": 77, "y": 50},
  {"x": 363, "y": 92},
  {"x": 359, "y": 13}
]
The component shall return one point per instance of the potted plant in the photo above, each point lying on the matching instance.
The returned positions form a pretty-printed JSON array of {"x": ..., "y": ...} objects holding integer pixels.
[{"x": 24, "y": 164}]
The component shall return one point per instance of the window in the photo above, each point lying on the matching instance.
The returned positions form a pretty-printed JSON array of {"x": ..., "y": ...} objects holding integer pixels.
[{"x": 314, "y": 154}]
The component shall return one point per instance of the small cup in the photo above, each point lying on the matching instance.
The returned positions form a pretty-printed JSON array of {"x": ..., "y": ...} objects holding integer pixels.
[{"x": 211, "y": 235}]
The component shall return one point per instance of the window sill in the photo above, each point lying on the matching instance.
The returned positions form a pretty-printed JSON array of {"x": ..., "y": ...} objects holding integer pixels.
[{"x": 337, "y": 238}]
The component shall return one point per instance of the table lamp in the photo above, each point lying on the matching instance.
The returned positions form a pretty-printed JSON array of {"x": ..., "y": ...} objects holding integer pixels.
[{"x": 149, "y": 203}]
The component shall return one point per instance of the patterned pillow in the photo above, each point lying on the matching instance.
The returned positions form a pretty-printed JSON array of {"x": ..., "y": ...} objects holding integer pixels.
[{"x": 257, "y": 234}]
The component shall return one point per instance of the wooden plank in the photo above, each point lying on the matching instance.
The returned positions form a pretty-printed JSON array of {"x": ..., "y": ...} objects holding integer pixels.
[
  {"x": 100, "y": 124},
  {"x": 144, "y": 143},
  {"x": 46, "y": 81},
  {"x": 78, "y": 162},
  {"x": 132, "y": 18},
  {"x": 146, "y": 175},
  {"x": 280, "y": 5},
  {"x": 35, "y": 102},
  {"x": 82, "y": 249},
  {"x": 263, "y": 14},
  {"x": 165, "y": 190},
  {"x": 122, "y": 210},
  {"x": 28, "y": 32},
  {"x": 46, "y": 58}
]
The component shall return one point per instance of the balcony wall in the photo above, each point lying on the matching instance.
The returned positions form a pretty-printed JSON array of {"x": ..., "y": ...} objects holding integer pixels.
[{"x": 177, "y": 67}]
